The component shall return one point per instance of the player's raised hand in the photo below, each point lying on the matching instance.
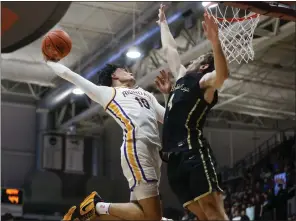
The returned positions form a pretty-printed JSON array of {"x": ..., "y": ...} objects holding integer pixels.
[
  {"x": 161, "y": 14},
  {"x": 210, "y": 28},
  {"x": 163, "y": 82}
]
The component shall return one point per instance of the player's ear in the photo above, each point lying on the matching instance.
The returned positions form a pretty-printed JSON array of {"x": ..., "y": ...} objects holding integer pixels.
[
  {"x": 204, "y": 67},
  {"x": 115, "y": 74}
]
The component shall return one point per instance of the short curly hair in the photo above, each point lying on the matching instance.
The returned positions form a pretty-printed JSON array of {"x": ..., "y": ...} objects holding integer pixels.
[
  {"x": 105, "y": 74},
  {"x": 209, "y": 59}
]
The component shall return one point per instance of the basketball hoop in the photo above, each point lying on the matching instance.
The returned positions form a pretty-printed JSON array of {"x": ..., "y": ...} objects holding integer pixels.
[{"x": 236, "y": 29}]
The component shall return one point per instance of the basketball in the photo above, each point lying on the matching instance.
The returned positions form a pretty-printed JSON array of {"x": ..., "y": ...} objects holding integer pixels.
[{"x": 56, "y": 45}]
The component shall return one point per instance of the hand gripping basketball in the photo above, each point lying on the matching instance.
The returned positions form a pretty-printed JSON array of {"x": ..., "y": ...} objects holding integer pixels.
[{"x": 56, "y": 45}]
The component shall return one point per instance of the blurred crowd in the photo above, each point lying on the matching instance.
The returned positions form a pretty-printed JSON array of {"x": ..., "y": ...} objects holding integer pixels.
[
  {"x": 260, "y": 198},
  {"x": 259, "y": 195}
]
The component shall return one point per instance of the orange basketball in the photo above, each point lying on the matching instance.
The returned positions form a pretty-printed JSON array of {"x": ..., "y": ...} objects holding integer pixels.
[{"x": 56, "y": 45}]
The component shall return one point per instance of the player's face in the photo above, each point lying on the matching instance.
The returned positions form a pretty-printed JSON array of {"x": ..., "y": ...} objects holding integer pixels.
[
  {"x": 124, "y": 76},
  {"x": 195, "y": 64}
]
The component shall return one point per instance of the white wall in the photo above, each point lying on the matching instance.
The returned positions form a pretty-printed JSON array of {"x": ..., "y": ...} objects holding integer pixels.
[
  {"x": 231, "y": 145},
  {"x": 17, "y": 143},
  {"x": 222, "y": 140}
]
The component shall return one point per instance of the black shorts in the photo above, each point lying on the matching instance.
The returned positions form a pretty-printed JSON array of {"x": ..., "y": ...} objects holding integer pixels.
[{"x": 192, "y": 174}]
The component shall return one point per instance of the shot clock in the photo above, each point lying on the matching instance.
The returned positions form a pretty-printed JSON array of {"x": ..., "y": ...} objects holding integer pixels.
[
  {"x": 12, "y": 201},
  {"x": 12, "y": 196}
]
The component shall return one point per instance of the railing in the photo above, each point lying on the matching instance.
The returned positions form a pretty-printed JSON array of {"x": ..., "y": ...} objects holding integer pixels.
[{"x": 259, "y": 153}]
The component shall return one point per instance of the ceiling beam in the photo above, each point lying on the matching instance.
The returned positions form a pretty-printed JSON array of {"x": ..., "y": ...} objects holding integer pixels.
[
  {"x": 20, "y": 94},
  {"x": 109, "y": 6},
  {"x": 255, "y": 113},
  {"x": 274, "y": 111},
  {"x": 27, "y": 72},
  {"x": 230, "y": 100},
  {"x": 86, "y": 29}
]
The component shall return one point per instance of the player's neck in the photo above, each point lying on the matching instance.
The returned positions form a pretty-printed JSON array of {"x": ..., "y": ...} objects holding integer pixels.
[{"x": 124, "y": 85}]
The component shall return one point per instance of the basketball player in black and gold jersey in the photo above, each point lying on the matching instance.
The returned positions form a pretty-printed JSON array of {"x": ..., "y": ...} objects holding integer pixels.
[{"x": 191, "y": 164}]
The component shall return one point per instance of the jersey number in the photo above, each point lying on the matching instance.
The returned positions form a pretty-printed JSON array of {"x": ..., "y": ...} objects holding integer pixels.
[{"x": 143, "y": 102}]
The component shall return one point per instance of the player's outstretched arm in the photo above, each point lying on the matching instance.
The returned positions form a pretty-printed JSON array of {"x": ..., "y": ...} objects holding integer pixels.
[
  {"x": 99, "y": 94},
  {"x": 170, "y": 46},
  {"x": 216, "y": 78}
]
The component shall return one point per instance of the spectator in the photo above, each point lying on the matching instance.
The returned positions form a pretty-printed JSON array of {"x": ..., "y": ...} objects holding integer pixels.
[
  {"x": 281, "y": 203},
  {"x": 236, "y": 215},
  {"x": 257, "y": 207},
  {"x": 244, "y": 216},
  {"x": 266, "y": 208},
  {"x": 250, "y": 211},
  {"x": 258, "y": 188},
  {"x": 266, "y": 185},
  {"x": 252, "y": 196},
  {"x": 245, "y": 199}
]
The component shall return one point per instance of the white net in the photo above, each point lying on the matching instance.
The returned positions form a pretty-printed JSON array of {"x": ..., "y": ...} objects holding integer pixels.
[{"x": 236, "y": 29}]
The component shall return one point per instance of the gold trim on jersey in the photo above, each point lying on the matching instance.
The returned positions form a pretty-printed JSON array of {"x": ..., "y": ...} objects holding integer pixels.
[
  {"x": 209, "y": 155},
  {"x": 187, "y": 121},
  {"x": 201, "y": 155},
  {"x": 129, "y": 141},
  {"x": 188, "y": 203},
  {"x": 113, "y": 95},
  {"x": 216, "y": 177}
]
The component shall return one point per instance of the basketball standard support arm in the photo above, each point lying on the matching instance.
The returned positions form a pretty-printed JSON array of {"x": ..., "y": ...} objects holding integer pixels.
[
  {"x": 265, "y": 8},
  {"x": 259, "y": 44}
]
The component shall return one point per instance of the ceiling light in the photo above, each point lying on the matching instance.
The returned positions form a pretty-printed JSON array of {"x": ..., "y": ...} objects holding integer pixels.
[
  {"x": 133, "y": 53},
  {"x": 77, "y": 91},
  {"x": 209, "y": 4}
]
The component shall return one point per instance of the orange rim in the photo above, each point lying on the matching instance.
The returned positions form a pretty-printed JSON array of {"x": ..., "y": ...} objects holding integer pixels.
[{"x": 254, "y": 15}]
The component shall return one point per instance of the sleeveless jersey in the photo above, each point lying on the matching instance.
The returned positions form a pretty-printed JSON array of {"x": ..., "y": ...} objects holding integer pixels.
[
  {"x": 185, "y": 115},
  {"x": 134, "y": 111}
]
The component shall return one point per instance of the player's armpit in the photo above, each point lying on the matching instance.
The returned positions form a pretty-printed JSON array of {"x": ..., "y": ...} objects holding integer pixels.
[
  {"x": 211, "y": 80},
  {"x": 99, "y": 94}
]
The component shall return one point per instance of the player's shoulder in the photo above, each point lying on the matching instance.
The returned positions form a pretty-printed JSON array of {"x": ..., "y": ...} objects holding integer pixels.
[
  {"x": 141, "y": 89},
  {"x": 138, "y": 88},
  {"x": 119, "y": 90},
  {"x": 191, "y": 76},
  {"x": 147, "y": 93}
]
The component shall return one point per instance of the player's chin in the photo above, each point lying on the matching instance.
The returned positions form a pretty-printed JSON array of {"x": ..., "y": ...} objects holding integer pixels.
[{"x": 133, "y": 80}]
